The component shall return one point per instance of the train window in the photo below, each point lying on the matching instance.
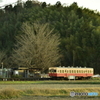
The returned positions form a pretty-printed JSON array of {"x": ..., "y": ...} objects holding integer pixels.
[
  {"x": 83, "y": 71},
  {"x": 74, "y": 71},
  {"x": 62, "y": 71}
]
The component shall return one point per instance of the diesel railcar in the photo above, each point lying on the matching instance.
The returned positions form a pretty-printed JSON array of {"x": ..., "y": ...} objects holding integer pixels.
[{"x": 65, "y": 72}]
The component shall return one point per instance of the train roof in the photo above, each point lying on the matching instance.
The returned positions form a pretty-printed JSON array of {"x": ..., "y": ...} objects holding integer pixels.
[{"x": 72, "y": 67}]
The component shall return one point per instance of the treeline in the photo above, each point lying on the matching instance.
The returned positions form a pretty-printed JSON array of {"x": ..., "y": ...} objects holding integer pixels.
[{"x": 79, "y": 30}]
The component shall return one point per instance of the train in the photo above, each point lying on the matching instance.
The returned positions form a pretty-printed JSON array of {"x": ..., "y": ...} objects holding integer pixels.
[
  {"x": 71, "y": 72},
  {"x": 23, "y": 73}
]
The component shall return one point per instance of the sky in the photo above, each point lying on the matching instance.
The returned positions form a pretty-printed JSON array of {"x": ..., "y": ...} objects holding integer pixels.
[{"x": 91, "y": 4}]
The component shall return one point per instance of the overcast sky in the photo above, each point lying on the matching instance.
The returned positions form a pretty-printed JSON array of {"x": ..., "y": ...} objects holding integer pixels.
[{"x": 91, "y": 4}]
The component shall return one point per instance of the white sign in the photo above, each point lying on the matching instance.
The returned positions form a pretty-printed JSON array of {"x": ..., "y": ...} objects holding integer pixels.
[{"x": 71, "y": 77}]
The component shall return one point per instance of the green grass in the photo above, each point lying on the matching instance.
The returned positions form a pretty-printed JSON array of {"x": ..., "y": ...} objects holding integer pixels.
[{"x": 53, "y": 82}]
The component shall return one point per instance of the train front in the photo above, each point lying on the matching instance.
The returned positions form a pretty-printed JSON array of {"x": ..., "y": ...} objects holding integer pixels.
[{"x": 52, "y": 72}]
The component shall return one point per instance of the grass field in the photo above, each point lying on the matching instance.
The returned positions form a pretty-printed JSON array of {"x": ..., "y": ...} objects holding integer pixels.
[{"x": 47, "y": 90}]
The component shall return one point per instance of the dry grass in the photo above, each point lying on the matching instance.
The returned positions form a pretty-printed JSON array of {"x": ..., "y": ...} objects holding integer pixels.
[
  {"x": 58, "y": 92},
  {"x": 14, "y": 93},
  {"x": 9, "y": 93},
  {"x": 48, "y": 88}
]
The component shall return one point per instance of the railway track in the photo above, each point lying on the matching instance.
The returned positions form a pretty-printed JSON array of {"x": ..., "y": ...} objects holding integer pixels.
[{"x": 23, "y": 79}]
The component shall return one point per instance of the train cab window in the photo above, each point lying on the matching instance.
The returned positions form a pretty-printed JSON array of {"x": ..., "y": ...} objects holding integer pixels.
[
  {"x": 54, "y": 70},
  {"x": 50, "y": 70}
]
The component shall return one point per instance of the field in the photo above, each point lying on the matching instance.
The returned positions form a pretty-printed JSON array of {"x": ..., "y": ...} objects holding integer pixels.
[{"x": 48, "y": 90}]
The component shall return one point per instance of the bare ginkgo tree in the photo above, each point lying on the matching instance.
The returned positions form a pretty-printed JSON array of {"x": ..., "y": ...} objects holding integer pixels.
[{"x": 38, "y": 46}]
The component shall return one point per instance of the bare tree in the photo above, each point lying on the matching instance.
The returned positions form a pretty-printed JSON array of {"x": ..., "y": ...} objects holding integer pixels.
[{"x": 38, "y": 46}]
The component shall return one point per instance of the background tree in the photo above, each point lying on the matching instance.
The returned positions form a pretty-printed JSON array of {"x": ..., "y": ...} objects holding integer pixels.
[
  {"x": 2, "y": 57},
  {"x": 75, "y": 25},
  {"x": 37, "y": 47},
  {"x": 58, "y": 3},
  {"x": 44, "y": 4}
]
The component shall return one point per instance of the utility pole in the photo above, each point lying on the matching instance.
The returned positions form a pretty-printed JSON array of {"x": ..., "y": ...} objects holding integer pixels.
[{"x": 2, "y": 65}]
